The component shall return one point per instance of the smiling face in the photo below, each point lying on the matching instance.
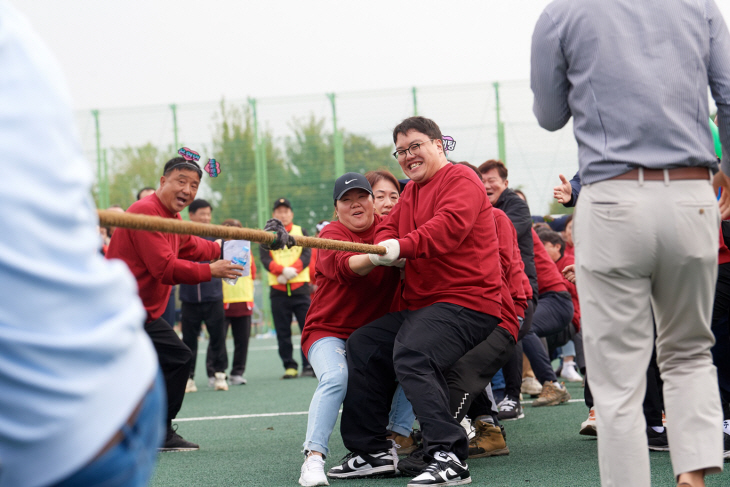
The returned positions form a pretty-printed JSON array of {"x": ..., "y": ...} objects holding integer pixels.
[
  {"x": 386, "y": 196},
  {"x": 494, "y": 184},
  {"x": 178, "y": 189},
  {"x": 356, "y": 210},
  {"x": 422, "y": 163}
]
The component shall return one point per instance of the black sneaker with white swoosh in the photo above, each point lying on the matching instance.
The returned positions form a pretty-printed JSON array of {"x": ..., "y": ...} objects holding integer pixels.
[
  {"x": 366, "y": 465},
  {"x": 445, "y": 469}
]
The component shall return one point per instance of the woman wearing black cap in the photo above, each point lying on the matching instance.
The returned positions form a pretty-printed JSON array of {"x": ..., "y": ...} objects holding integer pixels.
[{"x": 351, "y": 292}]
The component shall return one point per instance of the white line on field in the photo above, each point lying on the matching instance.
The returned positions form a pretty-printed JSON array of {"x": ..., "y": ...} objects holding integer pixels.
[{"x": 270, "y": 415}]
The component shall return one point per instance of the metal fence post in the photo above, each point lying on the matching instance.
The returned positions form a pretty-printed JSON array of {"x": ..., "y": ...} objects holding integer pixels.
[
  {"x": 500, "y": 127},
  {"x": 337, "y": 140},
  {"x": 262, "y": 203},
  {"x": 99, "y": 175},
  {"x": 414, "y": 92}
]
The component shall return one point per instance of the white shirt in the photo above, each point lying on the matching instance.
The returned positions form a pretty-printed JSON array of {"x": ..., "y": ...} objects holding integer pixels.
[{"x": 74, "y": 357}]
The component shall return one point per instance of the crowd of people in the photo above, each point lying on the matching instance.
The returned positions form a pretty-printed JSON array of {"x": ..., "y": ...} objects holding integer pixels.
[{"x": 463, "y": 311}]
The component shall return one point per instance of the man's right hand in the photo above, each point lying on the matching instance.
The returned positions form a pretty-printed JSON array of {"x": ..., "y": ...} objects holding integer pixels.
[
  {"x": 563, "y": 192},
  {"x": 225, "y": 269}
]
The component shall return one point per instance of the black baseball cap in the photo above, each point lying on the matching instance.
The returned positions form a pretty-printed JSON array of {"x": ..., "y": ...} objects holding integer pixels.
[
  {"x": 282, "y": 202},
  {"x": 351, "y": 180}
]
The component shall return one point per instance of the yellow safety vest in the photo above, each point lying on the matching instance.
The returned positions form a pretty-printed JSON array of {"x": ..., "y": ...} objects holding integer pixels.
[
  {"x": 241, "y": 292},
  {"x": 286, "y": 258}
]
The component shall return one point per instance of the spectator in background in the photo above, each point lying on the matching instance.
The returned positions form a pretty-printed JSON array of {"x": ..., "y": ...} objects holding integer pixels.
[
  {"x": 203, "y": 302},
  {"x": 522, "y": 196},
  {"x": 554, "y": 245},
  {"x": 144, "y": 192},
  {"x": 290, "y": 290},
  {"x": 238, "y": 305},
  {"x": 386, "y": 190}
]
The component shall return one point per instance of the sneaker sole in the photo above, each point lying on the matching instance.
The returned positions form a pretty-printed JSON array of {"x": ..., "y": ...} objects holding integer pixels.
[
  {"x": 726, "y": 455},
  {"x": 562, "y": 400},
  {"x": 450, "y": 482},
  {"x": 588, "y": 430},
  {"x": 658, "y": 448},
  {"x": 167, "y": 450},
  {"x": 304, "y": 483},
  {"x": 492, "y": 453},
  {"x": 520, "y": 416},
  {"x": 362, "y": 474}
]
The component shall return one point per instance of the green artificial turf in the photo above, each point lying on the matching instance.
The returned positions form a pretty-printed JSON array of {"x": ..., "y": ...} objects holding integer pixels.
[{"x": 545, "y": 448}]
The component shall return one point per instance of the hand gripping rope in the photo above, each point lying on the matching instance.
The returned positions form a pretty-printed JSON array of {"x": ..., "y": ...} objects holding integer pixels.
[{"x": 135, "y": 221}]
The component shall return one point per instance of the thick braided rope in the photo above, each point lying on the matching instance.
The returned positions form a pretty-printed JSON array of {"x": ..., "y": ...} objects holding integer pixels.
[{"x": 136, "y": 221}]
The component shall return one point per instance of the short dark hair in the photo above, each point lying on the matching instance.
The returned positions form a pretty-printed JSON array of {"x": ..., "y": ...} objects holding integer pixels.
[
  {"x": 494, "y": 164},
  {"x": 181, "y": 164},
  {"x": 470, "y": 166},
  {"x": 382, "y": 174},
  {"x": 553, "y": 237},
  {"x": 139, "y": 193},
  {"x": 198, "y": 204},
  {"x": 420, "y": 124}
]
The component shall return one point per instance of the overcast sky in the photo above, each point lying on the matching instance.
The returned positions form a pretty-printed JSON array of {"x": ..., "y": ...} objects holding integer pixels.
[{"x": 140, "y": 52}]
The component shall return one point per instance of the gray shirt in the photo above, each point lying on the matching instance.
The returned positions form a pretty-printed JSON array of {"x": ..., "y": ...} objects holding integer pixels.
[{"x": 634, "y": 75}]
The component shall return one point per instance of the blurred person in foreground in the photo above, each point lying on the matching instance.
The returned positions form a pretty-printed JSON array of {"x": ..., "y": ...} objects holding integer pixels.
[
  {"x": 639, "y": 102},
  {"x": 81, "y": 398}
]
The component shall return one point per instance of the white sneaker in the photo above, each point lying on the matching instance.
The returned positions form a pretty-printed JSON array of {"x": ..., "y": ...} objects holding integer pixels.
[
  {"x": 570, "y": 372},
  {"x": 190, "y": 386},
  {"x": 531, "y": 386},
  {"x": 466, "y": 424},
  {"x": 588, "y": 427},
  {"x": 220, "y": 383},
  {"x": 236, "y": 380},
  {"x": 313, "y": 472}
]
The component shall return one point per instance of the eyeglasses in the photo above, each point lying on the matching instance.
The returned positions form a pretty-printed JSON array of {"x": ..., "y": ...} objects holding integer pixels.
[{"x": 412, "y": 149}]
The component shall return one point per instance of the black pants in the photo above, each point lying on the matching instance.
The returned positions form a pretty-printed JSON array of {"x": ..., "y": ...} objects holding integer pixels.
[
  {"x": 241, "y": 331},
  {"x": 512, "y": 370},
  {"x": 553, "y": 314},
  {"x": 175, "y": 362},
  {"x": 413, "y": 348},
  {"x": 283, "y": 308},
  {"x": 653, "y": 400},
  {"x": 721, "y": 330},
  {"x": 193, "y": 316},
  {"x": 468, "y": 377}
]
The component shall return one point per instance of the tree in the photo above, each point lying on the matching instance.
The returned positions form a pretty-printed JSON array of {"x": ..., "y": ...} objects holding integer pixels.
[
  {"x": 558, "y": 209},
  {"x": 362, "y": 155},
  {"x": 133, "y": 169}
]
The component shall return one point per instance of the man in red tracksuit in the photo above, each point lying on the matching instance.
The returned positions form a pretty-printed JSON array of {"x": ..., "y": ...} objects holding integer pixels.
[
  {"x": 444, "y": 229},
  {"x": 160, "y": 260}
]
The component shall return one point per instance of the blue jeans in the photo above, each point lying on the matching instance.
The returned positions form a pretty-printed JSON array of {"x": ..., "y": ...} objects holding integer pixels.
[
  {"x": 130, "y": 462},
  {"x": 327, "y": 358},
  {"x": 401, "y": 414}
]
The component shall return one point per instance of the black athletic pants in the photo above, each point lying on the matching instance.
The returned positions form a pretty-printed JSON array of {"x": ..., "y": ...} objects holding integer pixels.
[
  {"x": 512, "y": 370},
  {"x": 553, "y": 315},
  {"x": 721, "y": 330},
  {"x": 283, "y": 308},
  {"x": 468, "y": 377},
  {"x": 175, "y": 361},
  {"x": 413, "y": 348},
  {"x": 193, "y": 315},
  {"x": 241, "y": 331}
]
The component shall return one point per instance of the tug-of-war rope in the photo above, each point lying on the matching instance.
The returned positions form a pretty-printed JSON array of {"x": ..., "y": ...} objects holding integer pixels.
[{"x": 135, "y": 221}]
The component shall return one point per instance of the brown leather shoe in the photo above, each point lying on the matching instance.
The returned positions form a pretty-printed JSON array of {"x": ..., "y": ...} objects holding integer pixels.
[
  {"x": 404, "y": 445},
  {"x": 488, "y": 441}
]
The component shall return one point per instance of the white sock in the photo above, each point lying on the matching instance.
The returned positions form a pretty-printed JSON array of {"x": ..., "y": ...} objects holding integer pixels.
[
  {"x": 658, "y": 429},
  {"x": 726, "y": 426}
]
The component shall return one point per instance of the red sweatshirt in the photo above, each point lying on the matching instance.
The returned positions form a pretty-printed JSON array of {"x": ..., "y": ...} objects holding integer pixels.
[
  {"x": 446, "y": 231},
  {"x": 507, "y": 242},
  {"x": 548, "y": 277},
  {"x": 561, "y": 264},
  {"x": 345, "y": 301},
  {"x": 724, "y": 255},
  {"x": 160, "y": 260}
]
